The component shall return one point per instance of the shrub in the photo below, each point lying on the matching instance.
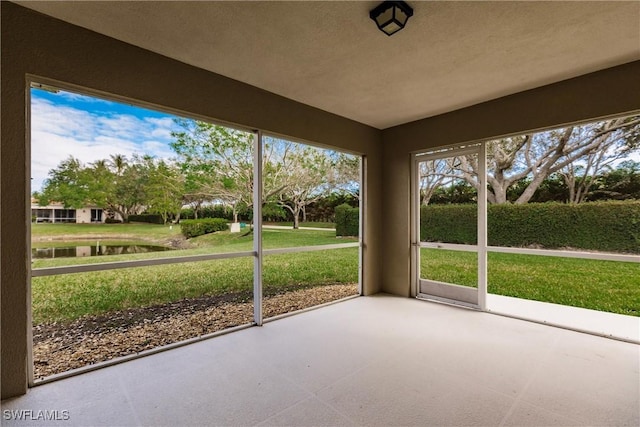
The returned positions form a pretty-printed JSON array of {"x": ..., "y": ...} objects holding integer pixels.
[
  {"x": 612, "y": 226},
  {"x": 273, "y": 212},
  {"x": 197, "y": 227},
  {"x": 449, "y": 223},
  {"x": 215, "y": 211},
  {"x": 347, "y": 221},
  {"x": 112, "y": 221},
  {"x": 150, "y": 218},
  {"x": 187, "y": 213},
  {"x": 210, "y": 211}
]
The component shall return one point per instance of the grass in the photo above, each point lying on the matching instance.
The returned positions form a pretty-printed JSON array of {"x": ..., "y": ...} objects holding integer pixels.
[
  {"x": 134, "y": 231},
  {"x": 67, "y": 297},
  {"x": 304, "y": 224},
  {"x": 600, "y": 285},
  {"x": 220, "y": 242},
  {"x": 271, "y": 239},
  {"x": 70, "y": 296},
  {"x": 610, "y": 286}
]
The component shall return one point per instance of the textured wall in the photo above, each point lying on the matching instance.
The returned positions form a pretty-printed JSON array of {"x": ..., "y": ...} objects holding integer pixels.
[
  {"x": 607, "y": 92},
  {"x": 34, "y": 44},
  {"x": 37, "y": 45}
]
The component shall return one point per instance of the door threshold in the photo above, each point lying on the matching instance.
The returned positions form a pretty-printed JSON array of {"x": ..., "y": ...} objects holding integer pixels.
[{"x": 447, "y": 301}]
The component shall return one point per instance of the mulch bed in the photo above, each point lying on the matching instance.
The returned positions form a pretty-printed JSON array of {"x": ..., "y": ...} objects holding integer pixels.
[{"x": 59, "y": 347}]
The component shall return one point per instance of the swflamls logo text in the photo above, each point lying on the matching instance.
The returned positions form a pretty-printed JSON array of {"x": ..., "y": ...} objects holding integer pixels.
[{"x": 38, "y": 415}]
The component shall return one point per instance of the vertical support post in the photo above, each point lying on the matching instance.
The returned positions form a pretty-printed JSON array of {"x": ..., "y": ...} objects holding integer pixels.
[
  {"x": 257, "y": 227},
  {"x": 414, "y": 251},
  {"x": 362, "y": 190},
  {"x": 30, "y": 367},
  {"x": 482, "y": 227}
]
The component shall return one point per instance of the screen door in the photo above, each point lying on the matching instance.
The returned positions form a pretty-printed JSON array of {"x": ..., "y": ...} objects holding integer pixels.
[{"x": 448, "y": 202}]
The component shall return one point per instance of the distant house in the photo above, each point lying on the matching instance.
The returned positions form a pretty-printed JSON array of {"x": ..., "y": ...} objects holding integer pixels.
[{"x": 56, "y": 213}]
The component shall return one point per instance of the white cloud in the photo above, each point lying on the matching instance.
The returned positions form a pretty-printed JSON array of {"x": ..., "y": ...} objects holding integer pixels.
[
  {"x": 161, "y": 122},
  {"x": 59, "y": 120},
  {"x": 159, "y": 149},
  {"x": 83, "y": 98},
  {"x": 60, "y": 131},
  {"x": 161, "y": 133},
  {"x": 162, "y": 127}
]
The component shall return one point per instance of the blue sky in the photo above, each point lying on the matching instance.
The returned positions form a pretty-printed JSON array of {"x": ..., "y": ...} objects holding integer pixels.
[{"x": 91, "y": 129}]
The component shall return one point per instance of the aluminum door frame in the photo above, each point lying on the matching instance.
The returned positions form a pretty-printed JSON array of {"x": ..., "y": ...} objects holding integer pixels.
[{"x": 441, "y": 291}]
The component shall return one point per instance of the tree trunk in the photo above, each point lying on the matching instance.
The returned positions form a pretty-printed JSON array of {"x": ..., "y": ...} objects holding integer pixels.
[
  {"x": 527, "y": 194},
  {"x": 572, "y": 193},
  {"x": 296, "y": 219},
  {"x": 499, "y": 195}
]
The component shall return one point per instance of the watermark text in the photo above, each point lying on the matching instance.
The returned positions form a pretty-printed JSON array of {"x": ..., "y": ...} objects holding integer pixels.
[{"x": 36, "y": 415}]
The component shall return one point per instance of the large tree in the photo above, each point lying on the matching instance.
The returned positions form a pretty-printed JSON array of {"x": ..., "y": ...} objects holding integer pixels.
[
  {"x": 345, "y": 173},
  {"x": 306, "y": 179},
  {"x": 68, "y": 183},
  {"x": 217, "y": 162},
  {"x": 218, "y": 165},
  {"x": 165, "y": 189},
  {"x": 436, "y": 173},
  {"x": 101, "y": 183},
  {"x": 581, "y": 176},
  {"x": 621, "y": 183},
  {"x": 536, "y": 156},
  {"x": 128, "y": 195}
]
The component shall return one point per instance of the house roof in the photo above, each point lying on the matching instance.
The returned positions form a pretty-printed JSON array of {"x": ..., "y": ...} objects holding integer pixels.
[
  {"x": 57, "y": 205},
  {"x": 330, "y": 55}
]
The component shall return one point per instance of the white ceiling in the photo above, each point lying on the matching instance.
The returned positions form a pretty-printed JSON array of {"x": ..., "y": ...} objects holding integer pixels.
[{"x": 331, "y": 55}]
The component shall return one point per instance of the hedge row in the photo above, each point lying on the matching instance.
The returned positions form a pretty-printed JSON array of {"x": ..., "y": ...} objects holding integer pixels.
[
  {"x": 197, "y": 227},
  {"x": 449, "y": 224},
  {"x": 347, "y": 220},
  {"x": 601, "y": 226},
  {"x": 216, "y": 211},
  {"x": 150, "y": 218}
]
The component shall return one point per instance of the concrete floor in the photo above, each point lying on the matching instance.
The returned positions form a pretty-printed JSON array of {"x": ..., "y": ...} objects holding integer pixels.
[
  {"x": 626, "y": 328},
  {"x": 378, "y": 360}
]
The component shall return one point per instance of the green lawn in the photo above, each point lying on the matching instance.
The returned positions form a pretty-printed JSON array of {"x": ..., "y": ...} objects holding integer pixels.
[
  {"x": 67, "y": 297},
  {"x": 220, "y": 242},
  {"x": 70, "y": 296},
  {"x": 599, "y": 285},
  {"x": 271, "y": 239},
  {"x": 133, "y": 231},
  {"x": 305, "y": 224}
]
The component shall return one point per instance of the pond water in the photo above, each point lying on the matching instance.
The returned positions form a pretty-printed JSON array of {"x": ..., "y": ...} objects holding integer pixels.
[{"x": 98, "y": 249}]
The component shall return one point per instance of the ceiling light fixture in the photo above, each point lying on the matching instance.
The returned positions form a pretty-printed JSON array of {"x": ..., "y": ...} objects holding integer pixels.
[{"x": 391, "y": 16}]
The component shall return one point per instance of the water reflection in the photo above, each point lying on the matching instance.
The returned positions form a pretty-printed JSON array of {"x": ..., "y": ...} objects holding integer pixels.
[{"x": 95, "y": 250}]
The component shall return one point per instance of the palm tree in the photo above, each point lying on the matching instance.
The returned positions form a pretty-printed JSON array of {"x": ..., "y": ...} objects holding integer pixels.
[
  {"x": 119, "y": 162},
  {"x": 100, "y": 164}
]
